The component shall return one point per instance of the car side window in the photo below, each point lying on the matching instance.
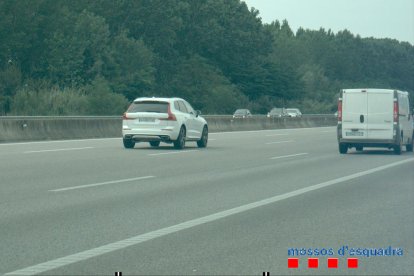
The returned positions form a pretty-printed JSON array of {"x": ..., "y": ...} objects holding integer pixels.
[
  {"x": 177, "y": 106},
  {"x": 189, "y": 108},
  {"x": 182, "y": 107}
]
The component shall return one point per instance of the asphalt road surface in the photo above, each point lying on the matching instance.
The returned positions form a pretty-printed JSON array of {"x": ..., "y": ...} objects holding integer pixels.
[{"x": 91, "y": 207}]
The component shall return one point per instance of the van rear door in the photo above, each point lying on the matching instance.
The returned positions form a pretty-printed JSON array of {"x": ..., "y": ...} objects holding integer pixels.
[
  {"x": 380, "y": 110},
  {"x": 354, "y": 114}
]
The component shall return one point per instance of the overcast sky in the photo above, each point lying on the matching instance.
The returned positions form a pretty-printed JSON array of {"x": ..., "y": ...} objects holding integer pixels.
[{"x": 368, "y": 18}]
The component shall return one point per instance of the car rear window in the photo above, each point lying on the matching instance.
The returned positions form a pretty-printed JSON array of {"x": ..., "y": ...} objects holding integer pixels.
[{"x": 156, "y": 107}]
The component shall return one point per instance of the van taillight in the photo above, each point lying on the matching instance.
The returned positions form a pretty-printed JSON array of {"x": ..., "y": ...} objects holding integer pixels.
[
  {"x": 339, "y": 110},
  {"x": 395, "y": 111},
  {"x": 124, "y": 117},
  {"x": 171, "y": 116}
]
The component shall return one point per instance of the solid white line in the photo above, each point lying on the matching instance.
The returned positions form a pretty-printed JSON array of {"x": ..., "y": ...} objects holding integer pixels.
[
  {"x": 173, "y": 152},
  {"x": 280, "y": 134},
  {"x": 108, "y": 248},
  {"x": 291, "y": 155},
  {"x": 53, "y": 150},
  {"x": 279, "y": 142},
  {"x": 102, "y": 183}
]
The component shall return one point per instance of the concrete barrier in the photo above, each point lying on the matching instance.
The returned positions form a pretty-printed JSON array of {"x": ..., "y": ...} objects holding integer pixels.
[
  {"x": 228, "y": 123},
  {"x": 21, "y": 128},
  {"x": 57, "y": 128}
]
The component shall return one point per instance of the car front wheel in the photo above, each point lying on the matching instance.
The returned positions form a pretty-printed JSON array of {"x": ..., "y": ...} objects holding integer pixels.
[{"x": 202, "y": 143}]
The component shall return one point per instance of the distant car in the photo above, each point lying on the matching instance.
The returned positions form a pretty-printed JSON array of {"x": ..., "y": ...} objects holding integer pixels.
[
  {"x": 242, "y": 113},
  {"x": 293, "y": 112},
  {"x": 336, "y": 114},
  {"x": 168, "y": 120},
  {"x": 277, "y": 113}
]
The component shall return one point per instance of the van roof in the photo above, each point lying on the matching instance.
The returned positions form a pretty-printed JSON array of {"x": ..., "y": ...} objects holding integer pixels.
[{"x": 377, "y": 90}]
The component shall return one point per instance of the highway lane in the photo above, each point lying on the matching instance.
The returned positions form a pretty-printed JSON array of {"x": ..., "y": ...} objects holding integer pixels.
[{"x": 124, "y": 193}]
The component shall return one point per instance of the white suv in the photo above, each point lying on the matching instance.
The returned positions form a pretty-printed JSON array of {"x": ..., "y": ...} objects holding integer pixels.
[
  {"x": 169, "y": 120},
  {"x": 293, "y": 112}
]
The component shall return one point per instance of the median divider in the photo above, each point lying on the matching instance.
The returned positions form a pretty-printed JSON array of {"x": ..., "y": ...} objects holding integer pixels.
[
  {"x": 228, "y": 123},
  {"x": 37, "y": 128},
  {"x": 13, "y": 129}
]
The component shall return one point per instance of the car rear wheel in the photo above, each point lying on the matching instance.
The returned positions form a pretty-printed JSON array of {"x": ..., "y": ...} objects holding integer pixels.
[
  {"x": 202, "y": 143},
  {"x": 154, "y": 143},
  {"x": 398, "y": 147},
  {"x": 128, "y": 143},
  {"x": 180, "y": 142},
  {"x": 343, "y": 148},
  {"x": 409, "y": 147}
]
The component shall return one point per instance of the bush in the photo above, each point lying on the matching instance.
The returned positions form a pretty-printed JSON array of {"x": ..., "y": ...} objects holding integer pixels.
[
  {"x": 49, "y": 101},
  {"x": 94, "y": 99},
  {"x": 102, "y": 101}
]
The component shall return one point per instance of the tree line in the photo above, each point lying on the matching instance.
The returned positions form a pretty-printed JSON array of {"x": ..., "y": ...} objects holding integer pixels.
[{"x": 85, "y": 57}]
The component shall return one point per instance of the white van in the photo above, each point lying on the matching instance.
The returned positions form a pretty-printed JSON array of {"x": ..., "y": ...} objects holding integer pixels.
[{"x": 374, "y": 118}]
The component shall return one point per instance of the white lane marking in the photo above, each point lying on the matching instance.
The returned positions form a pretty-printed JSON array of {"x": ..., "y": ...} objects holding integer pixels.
[
  {"x": 57, "y": 141},
  {"x": 291, "y": 155},
  {"x": 102, "y": 183},
  {"x": 330, "y": 131},
  {"x": 110, "y": 247},
  {"x": 279, "y": 134},
  {"x": 173, "y": 152},
  {"x": 279, "y": 142},
  {"x": 212, "y": 139},
  {"x": 53, "y": 150}
]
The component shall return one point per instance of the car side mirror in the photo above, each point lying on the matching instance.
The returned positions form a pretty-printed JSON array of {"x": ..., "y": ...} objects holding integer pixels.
[{"x": 197, "y": 113}]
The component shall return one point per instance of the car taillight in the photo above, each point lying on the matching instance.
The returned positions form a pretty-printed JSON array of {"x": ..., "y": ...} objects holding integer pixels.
[
  {"x": 171, "y": 116},
  {"x": 395, "y": 112},
  {"x": 125, "y": 117},
  {"x": 340, "y": 110}
]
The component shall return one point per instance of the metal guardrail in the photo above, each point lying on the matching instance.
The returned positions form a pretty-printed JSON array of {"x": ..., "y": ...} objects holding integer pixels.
[{"x": 120, "y": 116}]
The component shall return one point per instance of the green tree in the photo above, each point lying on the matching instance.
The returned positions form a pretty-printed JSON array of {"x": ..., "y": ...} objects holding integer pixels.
[
  {"x": 76, "y": 51},
  {"x": 102, "y": 100},
  {"x": 206, "y": 87},
  {"x": 129, "y": 66}
]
